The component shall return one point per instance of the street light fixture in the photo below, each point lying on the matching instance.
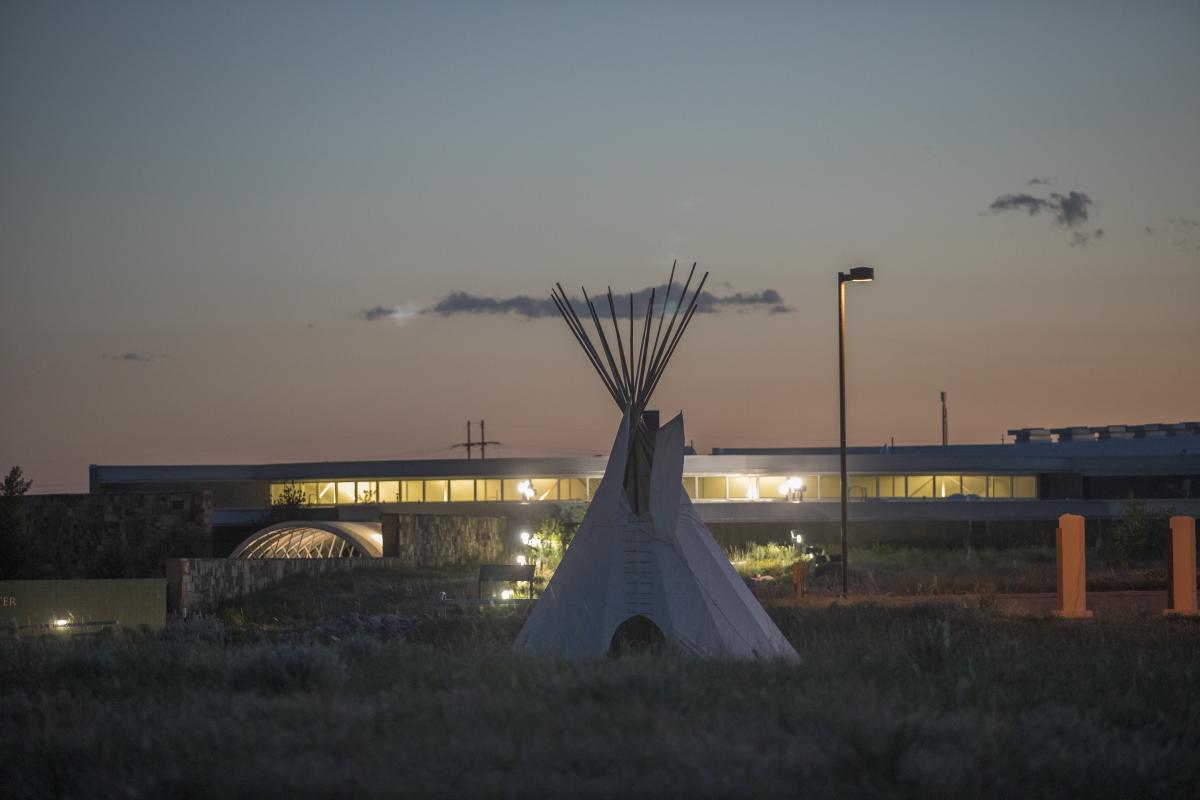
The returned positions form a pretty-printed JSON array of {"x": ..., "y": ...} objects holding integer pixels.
[{"x": 855, "y": 275}]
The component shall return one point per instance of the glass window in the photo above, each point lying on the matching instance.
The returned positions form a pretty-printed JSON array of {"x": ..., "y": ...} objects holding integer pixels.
[
  {"x": 772, "y": 487},
  {"x": 975, "y": 484},
  {"x": 891, "y": 486},
  {"x": 488, "y": 489},
  {"x": 545, "y": 488},
  {"x": 512, "y": 489},
  {"x": 368, "y": 492},
  {"x": 712, "y": 488},
  {"x": 572, "y": 489},
  {"x": 741, "y": 487},
  {"x": 920, "y": 486},
  {"x": 326, "y": 493},
  {"x": 462, "y": 491},
  {"x": 831, "y": 487},
  {"x": 1024, "y": 486},
  {"x": 437, "y": 491},
  {"x": 948, "y": 485},
  {"x": 593, "y": 485},
  {"x": 345, "y": 492},
  {"x": 689, "y": 486},
  {"x": 412, "y": 491},
  {"x": 863, "y": 486},
  {"x": 999, "y": 486},
  {"x": 389, "y": 491}
]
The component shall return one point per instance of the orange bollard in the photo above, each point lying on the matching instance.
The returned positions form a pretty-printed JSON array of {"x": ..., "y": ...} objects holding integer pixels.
[
  {"x": 1181, "y": 568},
  {"x": 799, "y": 576},
  {"x": 1072, "y": 569}
]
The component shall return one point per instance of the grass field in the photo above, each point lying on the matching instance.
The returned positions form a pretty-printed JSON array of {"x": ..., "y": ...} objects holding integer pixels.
[{"x": 293, "y": 693}]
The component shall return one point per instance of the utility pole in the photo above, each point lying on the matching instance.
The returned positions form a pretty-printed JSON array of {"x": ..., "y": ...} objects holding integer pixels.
[
  {"x": 945, "y": 423},
  {"x": 483, "y": 441},
  {"x": 468, "y": 443}
]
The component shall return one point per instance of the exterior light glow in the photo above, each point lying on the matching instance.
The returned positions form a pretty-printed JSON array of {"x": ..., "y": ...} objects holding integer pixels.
[
  {"x": 506, "y": 594},
  {"x": 525, "y": 537},
  {"x": 521, "y": 561},
  {"x": 61, "y": 623},
  {"x": 797, "y": 537},
  {"x": 525, "y": 489},
  {"x": 535, "y": 541}
]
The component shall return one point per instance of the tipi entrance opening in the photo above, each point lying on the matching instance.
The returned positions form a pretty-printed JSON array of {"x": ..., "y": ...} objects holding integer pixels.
[{"x": 637, "y": 635}]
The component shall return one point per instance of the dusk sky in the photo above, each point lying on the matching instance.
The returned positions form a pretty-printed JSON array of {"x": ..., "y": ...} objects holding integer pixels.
[{"x": 226, "y": 228}]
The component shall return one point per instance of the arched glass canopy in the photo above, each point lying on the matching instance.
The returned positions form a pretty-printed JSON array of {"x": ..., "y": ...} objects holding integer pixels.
[{"x": 311, "y": 539}]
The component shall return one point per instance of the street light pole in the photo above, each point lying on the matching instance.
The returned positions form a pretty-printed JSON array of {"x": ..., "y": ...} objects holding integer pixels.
[{"x": 856, "y": 275}]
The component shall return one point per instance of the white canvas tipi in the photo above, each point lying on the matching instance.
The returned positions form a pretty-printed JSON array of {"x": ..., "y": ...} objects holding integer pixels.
[{"x": 642, "y": 564}]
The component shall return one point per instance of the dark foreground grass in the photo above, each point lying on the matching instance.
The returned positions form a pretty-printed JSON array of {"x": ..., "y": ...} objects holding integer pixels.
[{"x": 922, "y": 702}]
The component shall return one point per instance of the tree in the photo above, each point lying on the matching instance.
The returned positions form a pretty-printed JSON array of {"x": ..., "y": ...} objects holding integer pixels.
[
  {"x": 15, "y": 483},
  {"x": 14, "y": 545},
  {"x": 287, "y": 504}
]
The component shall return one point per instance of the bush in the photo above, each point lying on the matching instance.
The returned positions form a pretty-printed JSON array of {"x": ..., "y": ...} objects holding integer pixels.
[{"x": 1140, "y": 534}]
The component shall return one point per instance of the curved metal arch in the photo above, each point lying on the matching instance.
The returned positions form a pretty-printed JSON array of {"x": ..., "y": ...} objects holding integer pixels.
[{"x": 313, "y": 539}]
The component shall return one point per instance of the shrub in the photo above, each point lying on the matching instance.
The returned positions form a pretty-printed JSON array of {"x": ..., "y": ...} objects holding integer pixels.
[{"x": 1140, "y": 533}]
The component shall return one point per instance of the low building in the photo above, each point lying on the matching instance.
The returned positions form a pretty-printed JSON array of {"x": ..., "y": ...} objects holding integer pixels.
[{"x": 999, "y": 492}]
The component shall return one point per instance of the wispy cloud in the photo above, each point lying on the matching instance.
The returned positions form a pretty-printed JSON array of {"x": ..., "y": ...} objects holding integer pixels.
[
  {"x": 133, "y": 356},
  {"x": 1039, "y": 181},
  {"x": 528, "y": 307},
  {"x": 1181, "y": 231},
  {"x": 1081, "y": 238}
]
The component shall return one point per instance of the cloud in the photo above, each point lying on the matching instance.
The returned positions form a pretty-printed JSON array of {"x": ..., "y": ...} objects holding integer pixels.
[
  {"x": 1014, "y": 202},
  {"x": 1039, "y": 181},
  {"x": 133, "y": 356},
  {"x": 397, "y": 314},
  {"x": 1081, "y": 238},
  {"x": 1181, "y": 230},
  {"x": 1070, "y": 210},
  {"x": 536, "y": 308}
]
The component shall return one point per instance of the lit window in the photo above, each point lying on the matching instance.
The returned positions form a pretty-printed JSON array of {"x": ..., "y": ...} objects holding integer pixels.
[
  {"x": 741, "y": 487},
  {"x": 1025, "y": 486},
  {"x": 920, "y": 486},
  {"x": 713, "y": 488},
  {"x": 462, "y": 491},
  {"x": 831, "y": 487},
  {"x": 948, "y": 485},
  {"x": 412, "y": 491},
  {"x": 572, "y": 489},
  {"x": 891, "y": 486},
  {"x": 545, "y": 488},
  {"x": 863, "y": 486},
  {"x": 689, "y": 486},
  {"x": 389, "y": 491},
  {"x": 773, "y": 487},
  {"x": 368, "y": 492},
  {"x": 513, "y": 489},
  {"x": 975, "y": 484},
  {"x": 436, "y": 491},
  {"x": 1000, "y": 486},
  {"x": 487, "y": 489},
  {"x": 345, "y": 493},
  {"x": 326, "y": 493},
  {"x": 593, "y": 486}
]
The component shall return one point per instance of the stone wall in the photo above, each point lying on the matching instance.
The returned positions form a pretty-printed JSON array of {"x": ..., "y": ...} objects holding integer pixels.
[
  {"x": 200, "y": 585},
  {"x": 111, "y": 535},
  {"x": 433, "y": 540}
]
